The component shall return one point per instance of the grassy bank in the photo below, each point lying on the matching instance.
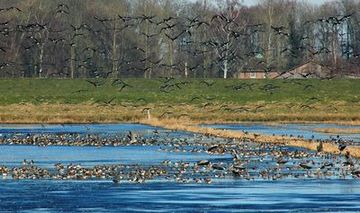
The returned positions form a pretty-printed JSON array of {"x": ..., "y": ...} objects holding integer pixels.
[{"x": 210, "y": 100}]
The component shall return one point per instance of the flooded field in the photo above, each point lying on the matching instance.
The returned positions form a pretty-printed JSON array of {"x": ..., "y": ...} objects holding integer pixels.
[{"x": 131, "y": 167}]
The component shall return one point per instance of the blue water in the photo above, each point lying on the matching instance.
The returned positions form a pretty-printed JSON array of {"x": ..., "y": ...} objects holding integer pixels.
[
  {"x": 74, "y": 128},
  {"x": 223, "y": 195},
  {"x": 104, "y": 130},
  {"x": 305, "y": 130},
  {"x": 226, "y": 196},
  {"x": 90, "y": 156}
]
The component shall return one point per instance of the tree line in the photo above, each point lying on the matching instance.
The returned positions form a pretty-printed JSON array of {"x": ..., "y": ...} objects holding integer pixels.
[{"x": 152, "y": 38}]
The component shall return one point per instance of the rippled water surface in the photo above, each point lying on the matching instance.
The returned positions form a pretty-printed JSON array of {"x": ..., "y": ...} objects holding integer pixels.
[
  {"x": 255, "y": 196},
  {"x": 223, "y": 195}
]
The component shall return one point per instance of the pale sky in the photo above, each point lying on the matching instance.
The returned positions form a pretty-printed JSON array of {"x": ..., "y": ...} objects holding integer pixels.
[{"x": 254, "y": 2}]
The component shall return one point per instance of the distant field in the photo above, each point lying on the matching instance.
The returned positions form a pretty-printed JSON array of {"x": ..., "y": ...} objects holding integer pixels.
[{"x": 205, "y": 100}]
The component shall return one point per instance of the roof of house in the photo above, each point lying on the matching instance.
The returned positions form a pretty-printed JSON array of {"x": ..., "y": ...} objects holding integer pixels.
[
  {"x": 308, "y": 62},
  {"x": 257, "y": 71}
]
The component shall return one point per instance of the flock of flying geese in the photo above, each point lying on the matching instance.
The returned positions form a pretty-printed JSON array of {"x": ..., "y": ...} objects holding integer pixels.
[{"x": 175, "y": 29}]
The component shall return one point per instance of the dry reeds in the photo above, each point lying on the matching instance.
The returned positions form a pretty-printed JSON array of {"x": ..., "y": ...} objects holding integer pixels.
[{"x": 85, "y": 113}]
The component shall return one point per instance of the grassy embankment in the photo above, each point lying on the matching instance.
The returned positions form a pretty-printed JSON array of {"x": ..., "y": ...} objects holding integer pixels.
[{"x": 77, "y": 101}]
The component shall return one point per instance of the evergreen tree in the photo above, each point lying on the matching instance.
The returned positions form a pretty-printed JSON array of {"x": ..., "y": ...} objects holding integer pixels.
[{"x": 295, "y": 43}]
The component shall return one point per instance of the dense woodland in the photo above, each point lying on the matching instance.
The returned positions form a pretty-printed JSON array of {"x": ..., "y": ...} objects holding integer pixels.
[{"x": 153, "y": 38}]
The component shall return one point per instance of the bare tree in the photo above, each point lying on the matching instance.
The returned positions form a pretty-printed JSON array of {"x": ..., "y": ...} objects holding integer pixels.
[{"x": 225, "y": 33}]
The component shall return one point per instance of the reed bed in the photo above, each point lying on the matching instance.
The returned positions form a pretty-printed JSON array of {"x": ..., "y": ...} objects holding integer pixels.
[{"x": 96, "y": 113}]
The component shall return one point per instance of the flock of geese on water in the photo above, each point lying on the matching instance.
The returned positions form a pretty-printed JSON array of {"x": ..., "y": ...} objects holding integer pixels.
[{"x": 228, "y": 159}]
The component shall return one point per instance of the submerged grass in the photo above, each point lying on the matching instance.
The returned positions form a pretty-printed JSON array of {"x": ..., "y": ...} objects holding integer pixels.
[
  {"x": 279, "y": 140},
  {"x": 338, "y": 130}
]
